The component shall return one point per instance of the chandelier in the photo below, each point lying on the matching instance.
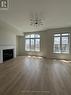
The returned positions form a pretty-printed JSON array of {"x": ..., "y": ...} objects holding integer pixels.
[{"x": 36, "y": 20}]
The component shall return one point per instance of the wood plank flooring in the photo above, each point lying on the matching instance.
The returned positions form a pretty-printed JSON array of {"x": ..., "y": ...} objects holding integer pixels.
[{"x": 35, "y": 76}]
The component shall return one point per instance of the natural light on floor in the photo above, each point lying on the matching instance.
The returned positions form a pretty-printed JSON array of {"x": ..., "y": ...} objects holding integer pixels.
[
  {"x": 66, "y": 61},
  {"x": 35, "y": 57}
]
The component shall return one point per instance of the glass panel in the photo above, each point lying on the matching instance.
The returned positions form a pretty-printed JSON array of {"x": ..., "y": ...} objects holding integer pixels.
[
  {"x": 65, "y": 46},
  {"x": 32, "y": 44},
  {"x": 56, "y": 34},
  {"x": 37, "y": 36},
  {"x": 66, "y": 34},
  {"x": 27, "y": 36},
  {"x": 37, "y": 44},
  {"x": 57, "y": 44},
  {"x": 27, "y": 44},
  {"x": 56, "y": 40},
  {"x": 32, "y": 35}
]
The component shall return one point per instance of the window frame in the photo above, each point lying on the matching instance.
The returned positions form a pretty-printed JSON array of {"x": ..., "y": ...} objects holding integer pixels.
[
  {"x": 61, "y": 35},
  {"x": 28, "y": 36}
]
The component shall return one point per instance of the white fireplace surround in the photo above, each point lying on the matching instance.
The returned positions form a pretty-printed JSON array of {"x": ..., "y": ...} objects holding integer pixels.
[{"x": 4, "y": 47}]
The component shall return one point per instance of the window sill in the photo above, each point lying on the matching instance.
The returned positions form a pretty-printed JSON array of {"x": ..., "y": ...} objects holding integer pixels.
[{"x": 60, "y": 53}]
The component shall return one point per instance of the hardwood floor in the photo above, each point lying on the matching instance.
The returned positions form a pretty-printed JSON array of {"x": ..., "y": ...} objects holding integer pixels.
[{"x": 35, "y": 76}]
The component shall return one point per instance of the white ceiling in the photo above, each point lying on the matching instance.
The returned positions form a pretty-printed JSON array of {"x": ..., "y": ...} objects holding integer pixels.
[{"x": 55, "y": 14}]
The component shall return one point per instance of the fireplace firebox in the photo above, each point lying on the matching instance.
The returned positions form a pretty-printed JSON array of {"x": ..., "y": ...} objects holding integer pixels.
[{"x": 7, "y": 54}]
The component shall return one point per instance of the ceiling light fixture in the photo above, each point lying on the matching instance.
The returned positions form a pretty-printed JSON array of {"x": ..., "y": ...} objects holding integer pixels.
[{"x": 36, "y": 20}]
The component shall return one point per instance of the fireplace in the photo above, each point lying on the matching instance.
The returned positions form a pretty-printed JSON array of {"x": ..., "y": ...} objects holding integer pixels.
[{"x": 8, "y": 54}]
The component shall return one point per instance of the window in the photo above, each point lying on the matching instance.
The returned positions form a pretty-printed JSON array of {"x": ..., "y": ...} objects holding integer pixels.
[
  {"x": 61, "y": 43},
  {"x": 32, "y": 42}
]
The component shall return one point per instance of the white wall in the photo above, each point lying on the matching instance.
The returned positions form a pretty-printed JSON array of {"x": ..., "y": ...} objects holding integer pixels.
[
  {"x": 7, "y": 36},
  {"x": 46, "y": 47},
  {"x": 7, "y": 39}
]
